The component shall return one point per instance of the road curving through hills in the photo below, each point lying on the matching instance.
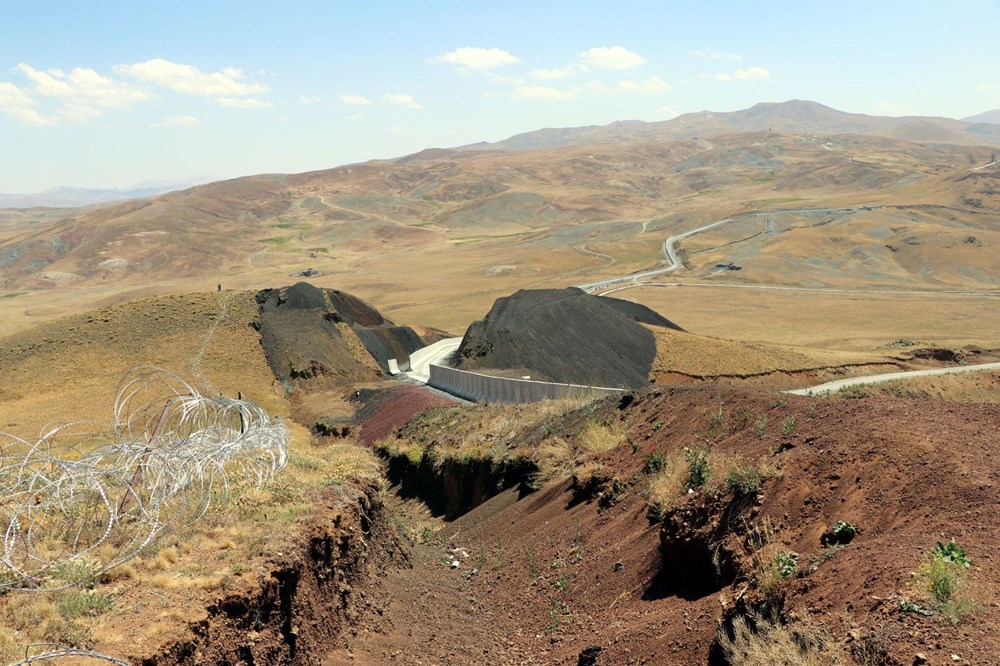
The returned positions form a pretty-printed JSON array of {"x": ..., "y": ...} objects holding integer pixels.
[{"x": 842, "y": 384}]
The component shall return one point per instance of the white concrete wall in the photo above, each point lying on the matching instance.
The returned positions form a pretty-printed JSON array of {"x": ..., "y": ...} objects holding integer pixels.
[{"x": 485, "y": 388}]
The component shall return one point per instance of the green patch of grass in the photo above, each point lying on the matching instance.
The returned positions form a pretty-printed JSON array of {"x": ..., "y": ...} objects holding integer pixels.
[
  {"x": 276, "y": 240},
  {"x": 788, "y": 426},
  {"x": 84, "y": 604},
  {"x": 293, "y": 226}
]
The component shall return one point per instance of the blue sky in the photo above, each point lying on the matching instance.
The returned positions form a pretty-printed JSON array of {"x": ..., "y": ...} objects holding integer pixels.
[{"x": 109, "y": 94}]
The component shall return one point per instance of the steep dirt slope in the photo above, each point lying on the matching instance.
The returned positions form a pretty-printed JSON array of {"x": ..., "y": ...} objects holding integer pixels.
[
  {"x": 583, "y": 562},
  {"x": 322, "y": 336}
]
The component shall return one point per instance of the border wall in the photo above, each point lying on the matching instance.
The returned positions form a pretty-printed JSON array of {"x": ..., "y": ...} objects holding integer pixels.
[{"x": 486, "y": 388}]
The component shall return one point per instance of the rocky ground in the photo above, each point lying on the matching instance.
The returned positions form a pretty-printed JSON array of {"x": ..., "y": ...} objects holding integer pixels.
[{"x": 569, "y": 567}]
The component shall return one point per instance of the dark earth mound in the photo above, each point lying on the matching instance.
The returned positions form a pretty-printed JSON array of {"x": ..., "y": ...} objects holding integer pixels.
[
  {"x": 565, "y": 335},
  {"x": 306, "y": 335}
]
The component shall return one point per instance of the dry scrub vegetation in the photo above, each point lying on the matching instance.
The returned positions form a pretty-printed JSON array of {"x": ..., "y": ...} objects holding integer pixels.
[
  {"x": 482, "y": 432},
  {"x": 67, "y": 372}
]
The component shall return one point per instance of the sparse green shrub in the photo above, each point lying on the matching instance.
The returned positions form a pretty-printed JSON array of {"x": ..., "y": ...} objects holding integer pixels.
[
  {"x": 612, "y": 495},
  {"x": 825, "y": 555},
  {"x": 656, "y": 462},
  {"x": 842, "y": 532},
  {"x": 699, "y": 469},
  {"x": 943, "y": 576},
  {"x": 742, "y": 418},
  {"x": 952, "y": 553},
  {"x": 715, "y": 422},
  {"x": 788, "y": 426},
  {"x": 744, "y": 481},
  {"x": 761, "y": 425},
  {"x": 88, "y": 604},
  {"x": 659, "y": 424},
  {"x": 786, "y": 562},
  {"x": 773, "y": 566}
]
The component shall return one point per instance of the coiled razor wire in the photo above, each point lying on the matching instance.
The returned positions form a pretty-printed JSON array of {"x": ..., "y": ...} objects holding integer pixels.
[
  {"x": 77, "y": 503},
  {"x": 60, "y": 652}
]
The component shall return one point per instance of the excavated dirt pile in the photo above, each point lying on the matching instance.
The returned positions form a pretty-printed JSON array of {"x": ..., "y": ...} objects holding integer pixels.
[
  {"x": 316, "y": 336},
  {"x": 565, "y": 335}
]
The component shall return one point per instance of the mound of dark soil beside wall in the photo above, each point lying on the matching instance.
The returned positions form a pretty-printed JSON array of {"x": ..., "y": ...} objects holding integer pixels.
[
  {"x": 565, "y": 335},
  {"x": 322, "y": 336}
]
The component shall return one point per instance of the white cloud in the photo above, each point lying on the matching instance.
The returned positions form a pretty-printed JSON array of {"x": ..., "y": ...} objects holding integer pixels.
[
  {"x": 18, "y": 104},
  {"x": 83, "y": 87},
  {"x": 543, "y": 92},
  {"x": 654, "y": 85},
  {"x": 401, "y": 99},
  {"x": 718, "y": 55},
  {"x": 355, "y": 116},
  {"x": 189, "y": 79},
  {"x": 987, "y": 87},
  {"x": 310, "y": 99},
  {"x": 178, "y": 121},
  {"x": 84, "y": 93},
  {"x": 243, "y": 103},
  {"x": 355, "y": 100},
  {"x": 611, "y": 57},
  {"x": 748, "y": 74},
  {"x": 668, "y": 112},
  {"x": 474, "y": 58},
  {"x": 559, "y": 72}
]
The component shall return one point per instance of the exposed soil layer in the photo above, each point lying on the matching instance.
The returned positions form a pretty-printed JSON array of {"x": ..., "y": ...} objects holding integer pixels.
[
  {"x": 382, "y": 410},
  {"x": 570, "y": 567},
  {"x": 565, "y": 335},
  {"x": 319, "y": 337},
  {"x": 431, "y": 614},
  {"x": 306, "y": 600}
]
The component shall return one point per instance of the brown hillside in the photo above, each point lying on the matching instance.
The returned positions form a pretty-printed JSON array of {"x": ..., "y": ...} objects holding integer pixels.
[{"x": 580, "y": 563}]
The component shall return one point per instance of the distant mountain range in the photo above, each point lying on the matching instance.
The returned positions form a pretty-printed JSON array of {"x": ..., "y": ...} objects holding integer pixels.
[
  {"x": 794, "y": 116},
  {"x": 985, "y": 117},
  {"x": 791, "y": 117},
  {"x": 74, "y": 197}
]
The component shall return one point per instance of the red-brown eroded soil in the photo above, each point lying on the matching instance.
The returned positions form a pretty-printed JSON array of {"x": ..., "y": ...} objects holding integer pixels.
[
  {"x": 557, "y": 574},
  {"x": 387, "y": 409}
]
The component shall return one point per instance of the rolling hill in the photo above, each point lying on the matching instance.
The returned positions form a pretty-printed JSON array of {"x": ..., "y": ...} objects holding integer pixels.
[{"x": 417, "y": 233}]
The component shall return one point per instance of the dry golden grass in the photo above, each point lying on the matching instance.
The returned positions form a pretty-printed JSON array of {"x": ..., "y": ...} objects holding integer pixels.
[
  {"x": 554, "y": 460},
  {"x": 155, "y": 595},
  {"x": 762, "y": 641},
  {"x": 598, "y": 438},
  {"x": 702, "y": 356},
  {"x": 68, "y": 370},
  {"x": 668, "y": 484},
  {"x": 832, "y": 322}
]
